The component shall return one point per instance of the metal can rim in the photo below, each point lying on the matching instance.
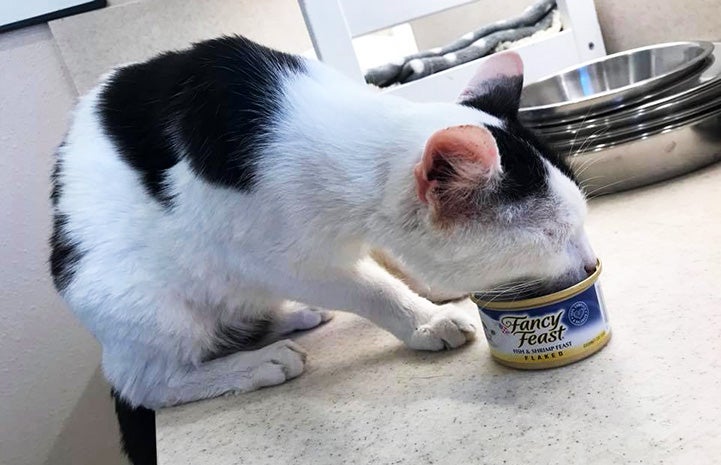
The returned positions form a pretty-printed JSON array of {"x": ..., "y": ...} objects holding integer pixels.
[{"x": 547, "y": 299}]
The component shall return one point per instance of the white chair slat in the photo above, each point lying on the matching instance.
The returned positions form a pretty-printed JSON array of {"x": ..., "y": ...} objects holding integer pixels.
[{"x": 364, "y": 16}]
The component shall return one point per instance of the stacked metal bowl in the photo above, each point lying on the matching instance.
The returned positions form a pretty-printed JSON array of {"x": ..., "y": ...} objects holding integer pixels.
[{"x": 632, "y": 118}]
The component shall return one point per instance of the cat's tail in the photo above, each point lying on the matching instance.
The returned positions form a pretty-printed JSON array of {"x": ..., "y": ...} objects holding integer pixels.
[{"x": 137, "y": 431}]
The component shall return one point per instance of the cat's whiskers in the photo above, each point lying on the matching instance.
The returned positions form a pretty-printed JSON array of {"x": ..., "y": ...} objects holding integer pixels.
[
  {"x": 585, "y": 164},
  {"x": 606, "y": 186},
  {"x": 591, "y": 161},
  {"x": 588, "y": 182},
  {"x": 585, "y": 117},
  {"x": 514, "y": 290},
  {"x": 590, "y": 138},
  {"x": 583, "y": 184}
]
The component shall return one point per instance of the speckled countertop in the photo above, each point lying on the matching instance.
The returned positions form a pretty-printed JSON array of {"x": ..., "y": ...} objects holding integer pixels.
[{"x": 653, "y": 395}]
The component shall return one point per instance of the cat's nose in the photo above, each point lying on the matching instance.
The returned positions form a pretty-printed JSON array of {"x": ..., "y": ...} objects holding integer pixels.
[{"x": 588, "y": 258}]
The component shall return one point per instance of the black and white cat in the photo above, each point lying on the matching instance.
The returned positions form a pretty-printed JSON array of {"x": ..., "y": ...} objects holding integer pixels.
[{"x": 211, "y": 199}]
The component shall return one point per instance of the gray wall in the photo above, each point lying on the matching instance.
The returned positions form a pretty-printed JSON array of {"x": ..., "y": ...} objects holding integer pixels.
[
  {"x": 628, "y": 24},
  {"x": 55, "y": 407},
  {"x": 52, "y": 399}
]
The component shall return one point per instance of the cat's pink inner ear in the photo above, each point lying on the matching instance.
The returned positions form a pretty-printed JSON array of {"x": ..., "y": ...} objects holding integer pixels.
[
  {"x": 455, "y": 160},
  {"x": 499, "y": 65}
]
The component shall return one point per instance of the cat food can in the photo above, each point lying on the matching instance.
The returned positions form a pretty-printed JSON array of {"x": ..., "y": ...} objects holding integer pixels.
[{"x": 547, "y": 331}]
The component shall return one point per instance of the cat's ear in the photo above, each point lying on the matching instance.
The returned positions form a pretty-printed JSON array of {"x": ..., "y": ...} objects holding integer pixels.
[
  {"x": 496, "y": 87},
  {"x": 458, "y": 163}
]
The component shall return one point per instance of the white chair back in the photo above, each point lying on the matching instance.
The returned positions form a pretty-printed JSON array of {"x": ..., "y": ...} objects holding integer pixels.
[{"x": 333, "y": 24}]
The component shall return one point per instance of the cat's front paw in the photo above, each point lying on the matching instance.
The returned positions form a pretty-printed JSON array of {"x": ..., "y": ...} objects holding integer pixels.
[
  {"x": 279, "y": 362},
  {"x": 451, "y": 326}
]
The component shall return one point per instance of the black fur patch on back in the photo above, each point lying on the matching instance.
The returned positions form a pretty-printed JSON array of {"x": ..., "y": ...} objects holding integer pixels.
[
  {"x": 211, "y": 104},
  {"x": 241, "y": 336},
  {"x": 137, "y": 431}
]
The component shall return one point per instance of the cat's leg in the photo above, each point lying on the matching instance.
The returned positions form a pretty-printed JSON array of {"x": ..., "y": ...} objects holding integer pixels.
[
  {"x": 371, "y": 292},
  {"x": 255, "y": 324},
  {"x": 191, "y": 356},
  {"x": 294, "y": 316},
  {"x": 236, "y": 373},
  {"x": 395, "y": 268},
  {"x": 240, "y": 372}
]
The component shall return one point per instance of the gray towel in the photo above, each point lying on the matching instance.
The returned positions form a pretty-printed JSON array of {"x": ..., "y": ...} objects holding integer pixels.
[{"x": 472, "y": 46}]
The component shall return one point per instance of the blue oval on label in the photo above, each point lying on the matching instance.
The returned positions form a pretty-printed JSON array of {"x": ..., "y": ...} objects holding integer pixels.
[{"x": 578, "y": 313}]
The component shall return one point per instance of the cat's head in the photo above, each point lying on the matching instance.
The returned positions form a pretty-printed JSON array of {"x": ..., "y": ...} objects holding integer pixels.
[{"x": 497, "y": 205}]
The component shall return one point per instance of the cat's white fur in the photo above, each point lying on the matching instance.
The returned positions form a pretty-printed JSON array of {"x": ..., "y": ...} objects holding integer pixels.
[{"x": 335, "y": 180}]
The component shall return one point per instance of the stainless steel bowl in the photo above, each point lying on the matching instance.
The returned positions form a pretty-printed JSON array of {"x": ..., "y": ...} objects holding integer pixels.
[
  {"x": 704, "y": 87},
  {"x": 630, "y": 104},
  {"x": 611, "y": 132},
  {"x": 606, "y": 82},
  {"x": 654, "y": 111},
  {"x": 649, "y": 157}
]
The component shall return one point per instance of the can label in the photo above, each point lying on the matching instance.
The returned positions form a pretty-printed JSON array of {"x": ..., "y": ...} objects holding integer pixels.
[{"x": 559, "y": 332}]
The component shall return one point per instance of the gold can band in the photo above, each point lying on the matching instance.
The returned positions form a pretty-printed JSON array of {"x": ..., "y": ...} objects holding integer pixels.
[{"x": 598, "y": 343}]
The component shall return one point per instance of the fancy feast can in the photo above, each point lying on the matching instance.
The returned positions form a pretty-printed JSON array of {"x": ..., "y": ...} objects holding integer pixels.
[{"x": 547, "y": 331}]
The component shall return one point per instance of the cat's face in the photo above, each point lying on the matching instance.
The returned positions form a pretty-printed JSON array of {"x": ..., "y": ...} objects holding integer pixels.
[{"x": 502, "y": 208}]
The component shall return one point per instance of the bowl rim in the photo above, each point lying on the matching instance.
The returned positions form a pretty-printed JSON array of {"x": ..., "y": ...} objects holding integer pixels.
[
  {"x": 707, "y": 48},
  {"x": 527, "y": 304},
  {"x": 689, "y": 97},
  {"x": 702, "y": 82}
]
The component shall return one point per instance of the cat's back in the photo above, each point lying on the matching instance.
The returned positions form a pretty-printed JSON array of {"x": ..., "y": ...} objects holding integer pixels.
[
  {"x": 208, "y": 106},
  {"x": 156, "y": 140}
]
